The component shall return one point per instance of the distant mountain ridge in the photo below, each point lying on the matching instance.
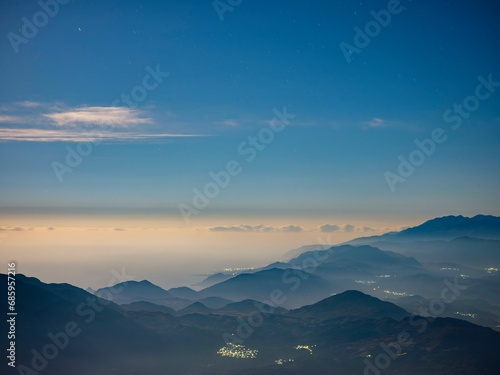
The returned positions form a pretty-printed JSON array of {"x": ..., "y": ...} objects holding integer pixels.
[
  {"x": 444, "y": 228},
  {"x": 362, "y": 253}
]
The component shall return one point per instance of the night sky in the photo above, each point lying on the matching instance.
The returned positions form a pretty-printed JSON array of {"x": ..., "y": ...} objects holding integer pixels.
[{"x": 113, "y": 114}]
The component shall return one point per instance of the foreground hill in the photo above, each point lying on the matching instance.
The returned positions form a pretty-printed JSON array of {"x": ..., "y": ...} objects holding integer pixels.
[
  {"x": 101, "y": 331},
  {"x": 350, "y": 332}
]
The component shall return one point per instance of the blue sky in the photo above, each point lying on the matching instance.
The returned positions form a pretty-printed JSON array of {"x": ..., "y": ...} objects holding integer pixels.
[{"x": 352, "y": 121}]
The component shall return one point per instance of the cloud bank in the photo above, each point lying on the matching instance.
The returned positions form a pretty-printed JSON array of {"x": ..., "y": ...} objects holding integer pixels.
[{"x": 256, "y": 228}]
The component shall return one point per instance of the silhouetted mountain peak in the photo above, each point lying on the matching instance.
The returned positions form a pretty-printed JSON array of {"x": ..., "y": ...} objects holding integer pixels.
[
  {"x": 184, "y": 292},
  {"x": 133, "y": 291},
  {"x": 134, "y": 284},
  {"x": 351, "y": 304}
]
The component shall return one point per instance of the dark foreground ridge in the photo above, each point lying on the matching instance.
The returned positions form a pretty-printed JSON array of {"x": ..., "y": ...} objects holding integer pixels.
[{"x": 63, "y": 330}]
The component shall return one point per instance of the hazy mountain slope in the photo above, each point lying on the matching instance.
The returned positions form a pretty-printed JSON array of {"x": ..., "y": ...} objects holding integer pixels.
[
  {"x": 215, "y": 302},
  {"x": 443, "y": 228},
  {"x": 185, "y": 293},
  {"x": 249, "y": 306},
  {"x": 466, "y": 251},
  {"x": 214, "y": 279},
  {"x": 297, "y": 286},
  {"x": 194, "y": 308},
  {"x": 136, "y": 291},
  {"x": 146, "y": 306},
  {"x": 347, "y": 254},
  {"x": 300, "y": 250}
]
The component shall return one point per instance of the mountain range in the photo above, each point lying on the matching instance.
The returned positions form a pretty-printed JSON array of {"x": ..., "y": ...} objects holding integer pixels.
[{"x": 423, "y": 300}]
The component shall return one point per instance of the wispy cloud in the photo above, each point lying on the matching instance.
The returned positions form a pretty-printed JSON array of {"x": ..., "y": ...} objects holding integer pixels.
[
  {"x": 119, "y": 117},
  {"x": 29, "y": 104},
  {"x": 45, "y": 122},
  {"x": 376, "y": 122},
  {"x": 256, "y": 228},
  {"x": 9, "y": 119},
  {"x": 48, "y": 135},
  {"x": 230, "y": 123}
]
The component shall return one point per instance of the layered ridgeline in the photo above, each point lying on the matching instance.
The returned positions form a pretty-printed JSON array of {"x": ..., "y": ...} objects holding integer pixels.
[
  {"x": 423, "y": 300},
  {"x": 409, "y": 278},
  {"x": 66, "y": 330}
]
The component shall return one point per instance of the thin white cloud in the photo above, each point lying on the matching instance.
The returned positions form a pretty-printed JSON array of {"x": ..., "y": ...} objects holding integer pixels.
[
  {"x": 29, "y": 104},
  {"x": 48, "y": 135},
  {"x": 231, "y": 123},
  {"x": 8, "y": 119},
  {"x": 120, "y": 117},
  {"x": 376, "y": 122}
]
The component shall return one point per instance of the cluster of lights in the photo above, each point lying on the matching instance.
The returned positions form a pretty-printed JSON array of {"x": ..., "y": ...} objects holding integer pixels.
[
  {"x": 401, "y": 294},
  {"x": 237, "y": 351},
  {"x": 491, "y": 270},
  {"x": 283, "y": 361},
  {"x": 470, "y": 315},
  {"x": 306, "y": 347},
  {"x": 237, "y": 269},
  {"x": 384, "y": 276},
  {"x": 365, "y": 281},
  {"x": 449, "y": 269}
]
